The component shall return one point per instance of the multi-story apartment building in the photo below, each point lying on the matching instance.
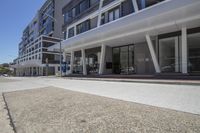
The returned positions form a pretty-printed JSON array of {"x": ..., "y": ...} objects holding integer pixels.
[
  {"x": 132, "y": 37},
  {"x": 43, "y": 31}
]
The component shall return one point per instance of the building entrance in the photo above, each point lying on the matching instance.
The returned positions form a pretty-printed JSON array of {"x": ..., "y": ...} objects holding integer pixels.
[{"x": 123, "y": 60}]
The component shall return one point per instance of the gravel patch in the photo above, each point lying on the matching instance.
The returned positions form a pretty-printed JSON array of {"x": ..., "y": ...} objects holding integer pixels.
[{"x": 55, "y": 110}]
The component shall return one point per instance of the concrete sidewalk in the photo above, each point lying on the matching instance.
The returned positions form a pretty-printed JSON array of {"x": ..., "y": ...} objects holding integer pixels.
[{"x": 177, "y": 97}]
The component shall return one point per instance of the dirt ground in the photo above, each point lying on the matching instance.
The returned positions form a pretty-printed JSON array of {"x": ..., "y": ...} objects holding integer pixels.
[{"x": 55, "y": 110}]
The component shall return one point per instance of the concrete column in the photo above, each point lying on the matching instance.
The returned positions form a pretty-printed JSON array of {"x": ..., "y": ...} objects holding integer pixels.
[
  {"x": 184, "y": 50},
  {"x": 32, "y": 71},
  {"x": 83, "y": 62},
  {"x": 153, "y": 54},
  {"x": 135, "y": 5},
  {"x": 64, "y": 61},
  {"x": 99, "y": 15},
  {"x": 42, "y": 71},
  {"x": 75, "y": 33},
  {"x": 176, "y": 55},
  {"x": 102, "y": 59},
  {"x": 72, "y": 62}
]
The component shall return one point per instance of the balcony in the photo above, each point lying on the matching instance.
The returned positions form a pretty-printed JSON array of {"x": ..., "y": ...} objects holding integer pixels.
[{"x": 167, "y": 16}]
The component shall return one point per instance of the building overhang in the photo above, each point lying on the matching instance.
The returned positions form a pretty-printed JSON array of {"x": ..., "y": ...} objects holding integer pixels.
[{"x": 168, "y": 16}]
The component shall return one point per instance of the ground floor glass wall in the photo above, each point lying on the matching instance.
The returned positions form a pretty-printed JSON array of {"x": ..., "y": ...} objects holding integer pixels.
[
  {"x": 169, "y": 54},
  {"x": 123, "y": 60},
  {"x": 78, "y": 67},
  {"x": 93, "y": 60},
  {"x": 194, "y": 53}
]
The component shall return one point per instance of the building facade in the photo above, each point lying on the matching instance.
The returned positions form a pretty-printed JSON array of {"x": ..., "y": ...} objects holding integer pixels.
[
  {"x": 131, "y": 37},
  {"x": 43, "y": 31}
]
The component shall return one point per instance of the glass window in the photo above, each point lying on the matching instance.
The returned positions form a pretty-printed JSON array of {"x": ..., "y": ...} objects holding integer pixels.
[
  {"x": 111, "y": 16},
  {"x": 194, "y": 53},
  {"x": 85, "y": 26},
  {"x": 78, "y": 68},
  {"x": 84, "y": 5},
  {"x": 169, "y": 54},
  {"x": 77, "y": 9},
  {"x": 116, "y": 58},
  {"x": 124, "y": 60},
  {"x": 106, "y": 2},
  {"x": 127, "y": 7},
  {"x": 65, "y": 34},
  {"x": 146, "y": 3},
  {"x": 93, "y": 22},
  {"x": 92, "y": 2},
  {"x": 71, "y": 32},
  {"x": 103, "y": 19},
  {"x": 114, "y": 14},
  {"x": 73, "y": 12}
]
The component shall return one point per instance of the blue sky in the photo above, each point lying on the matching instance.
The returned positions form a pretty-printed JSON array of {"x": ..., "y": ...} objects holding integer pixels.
[{"x": 14, "y": 17}]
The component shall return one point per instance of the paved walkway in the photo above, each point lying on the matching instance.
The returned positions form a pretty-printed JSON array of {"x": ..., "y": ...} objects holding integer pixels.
[{"x": 178, "y": 97}]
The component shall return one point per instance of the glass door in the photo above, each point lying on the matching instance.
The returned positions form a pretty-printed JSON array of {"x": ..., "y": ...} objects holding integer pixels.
[
  {"x": 123, "y": 60},
  {"x": 116, "y": 60},
  {"x": 169, "y": 55},
  {"x": 92, "y": 64}
]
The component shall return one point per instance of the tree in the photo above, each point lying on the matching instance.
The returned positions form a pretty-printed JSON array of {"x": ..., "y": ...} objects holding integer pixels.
[{"x": 4, "y": 70}]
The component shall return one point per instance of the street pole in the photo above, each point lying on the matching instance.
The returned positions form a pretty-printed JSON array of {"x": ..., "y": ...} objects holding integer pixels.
[
  {"x": 60, "y": 60},
  {"x": 47, "y": 66}
]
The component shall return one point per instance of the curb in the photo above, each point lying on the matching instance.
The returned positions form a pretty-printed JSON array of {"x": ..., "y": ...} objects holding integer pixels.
[
  {"x": 9, "y": 115},
  {"x": 168, "y": 82}
]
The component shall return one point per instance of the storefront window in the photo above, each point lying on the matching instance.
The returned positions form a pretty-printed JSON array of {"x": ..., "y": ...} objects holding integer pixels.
[
  {"x": 93, "y": 60},
  {"x": 194, "y": 53},
  {"x": 123, "y": 60},
  {"x": 169, "y": 54},
  {"x": 78, "y": 68}
]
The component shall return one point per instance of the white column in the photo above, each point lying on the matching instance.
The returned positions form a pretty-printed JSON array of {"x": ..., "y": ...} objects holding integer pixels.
[
  {"x": 74, "y": 31},
  {"x": 153, "y": 54},
  {"x": 176, "y": 55},
  {"x": 102, "y": 59},
  {"x": 64, "y": 60},
  {"x": 64, "y": 57},
  {"x": 184, "y": 50},
  {"x": 135, "y": 5},
  {"x": 99, "y": 15},
  {"x": 83, "y": 62},
  {"x": 42, "y": 70},
  {"x": 71, "y": 62}
]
